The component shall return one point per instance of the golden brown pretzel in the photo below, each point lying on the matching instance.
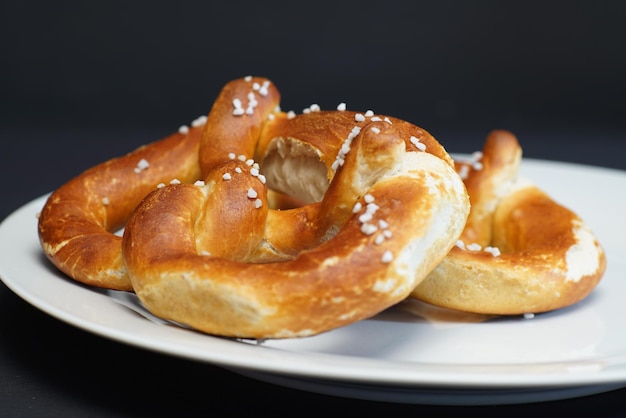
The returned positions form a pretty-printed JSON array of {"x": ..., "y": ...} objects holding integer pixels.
[
  {"x": 78, "y": 221},
  {"x": 520, "y": 252},
  {"x": 386, "y": 207}
]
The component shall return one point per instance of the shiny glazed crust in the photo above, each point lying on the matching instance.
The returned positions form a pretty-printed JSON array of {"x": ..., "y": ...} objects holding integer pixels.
[
  {"x": 520, "y": 252},
  {"x": 77, "y": 223},
  {"x": 216, "y": 257}
]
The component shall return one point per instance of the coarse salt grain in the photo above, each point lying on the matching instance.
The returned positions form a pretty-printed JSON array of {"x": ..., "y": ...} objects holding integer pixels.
[
  {"x": 368, "y": 229},
  {"x": 387, "y": 257},
  {"x": 250, "y": 109},
  {"x": 142, "y": 165},
  {"x": 419, "y": 145},
  {"x": 238, "y": 107},
  {"x": 227, "y": 176},
  {"x": 473, "y": 162},
  {"x": 494, "y": 251},
  {"x": 264, "y": 90},
  {"x": 345, "y": 148},
  {"x": 199, "y": 121},
  {"x": 372, "y": 207},
  {"x": 365, "y": 217},
  {"x": 252, "y": 194}
]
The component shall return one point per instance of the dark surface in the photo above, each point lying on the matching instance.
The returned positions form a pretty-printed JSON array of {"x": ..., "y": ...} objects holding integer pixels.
[{"x": 82, "y": 83}]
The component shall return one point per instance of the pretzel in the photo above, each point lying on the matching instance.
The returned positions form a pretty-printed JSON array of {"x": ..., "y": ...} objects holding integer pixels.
[
  {"x": 520, "y": 252},
  {"x": 78, "y": 222},
  {"x": 382, "y": 205}
]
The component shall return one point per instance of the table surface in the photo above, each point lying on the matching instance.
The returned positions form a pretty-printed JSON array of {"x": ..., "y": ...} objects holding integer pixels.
[{"x": 49, "y": 368}]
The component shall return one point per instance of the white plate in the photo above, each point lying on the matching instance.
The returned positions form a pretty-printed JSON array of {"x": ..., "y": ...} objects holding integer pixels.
[{"x": 406, "y": 354}]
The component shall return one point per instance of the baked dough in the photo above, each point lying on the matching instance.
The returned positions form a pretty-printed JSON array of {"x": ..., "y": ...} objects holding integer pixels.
[{"x": 520, "y": 252}]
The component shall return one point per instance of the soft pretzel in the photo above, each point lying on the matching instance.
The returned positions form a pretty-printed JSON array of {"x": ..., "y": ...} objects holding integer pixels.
[
  {"x": 382, "y": 207},
  {"x": 78, "y": 222},
  {"x": 520, "y": 252}
]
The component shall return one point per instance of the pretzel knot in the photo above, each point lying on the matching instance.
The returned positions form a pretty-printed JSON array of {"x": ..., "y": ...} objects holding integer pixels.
[
  {"x": 520, "y": 252},
  {"x": 381, "y": 205}
]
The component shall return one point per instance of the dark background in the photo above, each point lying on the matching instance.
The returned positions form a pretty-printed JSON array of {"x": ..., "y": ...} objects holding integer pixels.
[
  {"x": 81, "y": 82},
  {"x": 465, "y": 64}
]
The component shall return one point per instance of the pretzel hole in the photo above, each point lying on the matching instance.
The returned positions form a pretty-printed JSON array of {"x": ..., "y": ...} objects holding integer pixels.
[{"x": 295, "y": 169}]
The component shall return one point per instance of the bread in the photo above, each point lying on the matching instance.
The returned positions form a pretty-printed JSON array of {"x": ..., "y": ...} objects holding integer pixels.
[{"x": 520, "y": 252}]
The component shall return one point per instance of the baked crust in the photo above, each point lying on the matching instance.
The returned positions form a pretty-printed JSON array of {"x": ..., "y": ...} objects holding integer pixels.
[
  {"x": 78, "y": 222},
  {"x": 520, "y": 252},
  {"x": 391, "y": 209}
]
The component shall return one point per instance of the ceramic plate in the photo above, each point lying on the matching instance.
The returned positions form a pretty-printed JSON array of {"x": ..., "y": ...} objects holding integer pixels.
[{"x": 411, "y": 353}]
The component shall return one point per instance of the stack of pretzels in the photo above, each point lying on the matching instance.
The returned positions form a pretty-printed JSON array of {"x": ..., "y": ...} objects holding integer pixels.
[{"x": 253, "y": 222}]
